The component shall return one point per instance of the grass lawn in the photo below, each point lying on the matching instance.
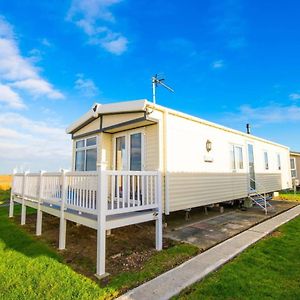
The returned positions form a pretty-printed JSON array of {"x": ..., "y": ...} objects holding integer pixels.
[
  {"x": 31, "y": 269},
  {"x": 4, "y": 196},
  {"x": 268, "y": 270}
]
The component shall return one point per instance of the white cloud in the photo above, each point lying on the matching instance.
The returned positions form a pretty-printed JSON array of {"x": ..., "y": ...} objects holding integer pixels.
[
  {"x": 46, "y": 42},
  {"x": 12, "y": 65},
  {"x": 218, "y": 64},
  {"x": 116, "y": 46},
  {"x": 38, "y": 87},
  {"x": 86, "y": 86},
  {"x": 269, "y": 114},
  {"x": 17, "y": 71},
  {"x": 6, "y": 30},
  {"x": 90, "y": 15},
  {"x": 294, "y": 96},
  {"x": 37, "y": 144},
  {"x": 10, "y": 98},
  {"x": 93, "y": 9}
]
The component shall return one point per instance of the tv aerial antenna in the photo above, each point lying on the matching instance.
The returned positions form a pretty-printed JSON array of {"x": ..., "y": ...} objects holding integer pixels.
[{"x": 156, "y": 80}]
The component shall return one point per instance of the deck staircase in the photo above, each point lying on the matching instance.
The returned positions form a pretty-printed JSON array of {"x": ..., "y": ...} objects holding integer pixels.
[{"x": 261, "y": 200}]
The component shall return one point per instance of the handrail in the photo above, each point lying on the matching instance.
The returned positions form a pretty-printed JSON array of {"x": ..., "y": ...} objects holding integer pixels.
[
  {"x": 259, "y": 194},
  {"x": 259, "y": 184}
]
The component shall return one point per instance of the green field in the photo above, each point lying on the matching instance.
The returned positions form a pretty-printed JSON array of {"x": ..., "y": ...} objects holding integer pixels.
[
  {"x": 268, "y": 270},
  {"x": 30, "y": 269},
  {"x": 4, "y": 196}
]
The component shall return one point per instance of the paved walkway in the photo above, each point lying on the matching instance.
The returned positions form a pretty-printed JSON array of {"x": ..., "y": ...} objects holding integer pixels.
[
  {"x": 209, "y": 232},
  {"x": 172, "y": 282}
]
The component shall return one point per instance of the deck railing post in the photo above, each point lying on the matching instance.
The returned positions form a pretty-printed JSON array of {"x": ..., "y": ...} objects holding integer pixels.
[
  {"x": 39, "y": 216},
  {"x": 11, "y": 202},
  {"x": 158, "y": 222},
  {"x": 101, "y": 220},
  {"x": 63, "y": 221},
  {"x": 23, "y": 210}
]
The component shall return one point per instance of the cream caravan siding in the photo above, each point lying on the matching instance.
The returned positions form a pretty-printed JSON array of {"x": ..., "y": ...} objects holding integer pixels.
[
  {"x": 198, "y": 177},
  {"x": 189, "y": 190},
  {"x": 92, "y": 126},
  {"x": 111, "y": 120},
  {"x": 268, "y": 182},
  {"x": 151, "y": 148},
  {"x": 106, "y": 151}
]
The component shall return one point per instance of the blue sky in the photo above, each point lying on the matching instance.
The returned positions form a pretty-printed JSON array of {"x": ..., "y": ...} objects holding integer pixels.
[{"x": 230, "y": 62}]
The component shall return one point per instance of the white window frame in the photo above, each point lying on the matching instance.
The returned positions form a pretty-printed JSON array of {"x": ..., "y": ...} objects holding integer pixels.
[
  {"x": 127, "y": 135},
  {"x": 84, "y": 149},
  {"x": 266, "y": 162},
  {"x": 295, "y": 167},
  {"x": 233, "y": 148}
]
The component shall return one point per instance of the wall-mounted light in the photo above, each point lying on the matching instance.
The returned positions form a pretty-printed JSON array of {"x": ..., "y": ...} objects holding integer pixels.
[{"x": 208, "y": 145}]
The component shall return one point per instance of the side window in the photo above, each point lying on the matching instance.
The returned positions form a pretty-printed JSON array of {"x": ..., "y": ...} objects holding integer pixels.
[
  {"x": 237, "y": 160},
  {"x": 266, "y": 160},
  {"x": 278, "y": 161},
  {"x": 86, "y": 154}
]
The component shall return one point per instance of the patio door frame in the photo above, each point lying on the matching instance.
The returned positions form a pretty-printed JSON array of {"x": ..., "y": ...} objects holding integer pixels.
[
  {"x": 251, "y": 188},
  {"x": 127, "y": 135}
]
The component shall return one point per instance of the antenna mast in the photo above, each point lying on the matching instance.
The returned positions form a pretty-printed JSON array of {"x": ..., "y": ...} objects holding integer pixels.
[{"x": 155, "y": 82}]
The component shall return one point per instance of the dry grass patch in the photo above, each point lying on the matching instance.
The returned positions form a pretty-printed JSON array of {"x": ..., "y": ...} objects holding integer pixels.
[{"x": 5, "y": 182}]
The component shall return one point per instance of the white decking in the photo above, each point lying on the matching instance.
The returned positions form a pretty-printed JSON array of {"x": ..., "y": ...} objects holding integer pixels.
[{"x": 101, "y": 200}]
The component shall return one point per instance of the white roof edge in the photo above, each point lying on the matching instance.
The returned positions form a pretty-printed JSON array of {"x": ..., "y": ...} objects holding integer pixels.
[
  {"x": 97, "y": 109},
  {"x": 84, "y": 118},
  {"x": 209, "y": 123},
  {"x": 295, "y": 153},
  {"x": 142, "y": 104}
]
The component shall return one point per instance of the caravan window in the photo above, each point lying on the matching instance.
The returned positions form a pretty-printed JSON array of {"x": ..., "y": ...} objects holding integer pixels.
[
  {"x": 278, "y": 161},
  {"x": 237, "y": 161},
  {"x": 293, "y": 167},
  {"x": 86, "y": 154},
  {"x": 266, "y": 159}
]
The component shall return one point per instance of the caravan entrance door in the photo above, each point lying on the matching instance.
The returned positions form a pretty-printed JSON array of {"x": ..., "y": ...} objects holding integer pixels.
[
  {"x": 128, "y": 156},
  {"x": 128, "y": 151},
  {"x": 252, "y": 185}
]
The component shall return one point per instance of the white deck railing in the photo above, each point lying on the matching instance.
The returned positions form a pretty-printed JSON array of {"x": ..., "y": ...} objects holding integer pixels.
[
  {"x": 126, "y": 191},
  {"x": 132, "y": 191},
  {"x": 100, "y": 193}
]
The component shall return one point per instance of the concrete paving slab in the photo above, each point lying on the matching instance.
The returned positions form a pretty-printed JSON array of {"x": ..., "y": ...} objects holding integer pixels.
[
  {"x": 172, "y": 282},
  {"x": 209, "y": 232}
]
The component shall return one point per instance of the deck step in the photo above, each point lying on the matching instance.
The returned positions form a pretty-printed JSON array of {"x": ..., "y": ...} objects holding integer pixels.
[{"x": 261, "y": 201}]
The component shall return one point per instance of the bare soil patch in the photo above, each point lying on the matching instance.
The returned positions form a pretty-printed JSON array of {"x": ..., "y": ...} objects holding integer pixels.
[{"x": 127, "y": 249}]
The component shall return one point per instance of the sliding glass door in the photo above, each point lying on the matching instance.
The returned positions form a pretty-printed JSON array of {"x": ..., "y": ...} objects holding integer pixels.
[
  {"x": 128, "y": 156},
  {"x": 252, "y": 185}
]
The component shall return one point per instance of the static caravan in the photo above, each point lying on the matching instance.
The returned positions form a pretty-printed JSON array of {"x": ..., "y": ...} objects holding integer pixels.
[
  {"x": 201, "y": 163},
  {"x": 134, "y": 161},
  {"x": 295, "y": 167}
]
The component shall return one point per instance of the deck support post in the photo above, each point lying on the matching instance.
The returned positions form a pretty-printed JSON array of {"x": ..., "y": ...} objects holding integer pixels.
[
  {"x": 23, "y": 210},
  {"x": 158, "y": 222},
  {"x": 11, "y": 206},
  {"x": 63, "y": 221},
  {"x": 39, "y": 216},
  {"x": 101, "y": 221},
  {"x": 11, "y": 202}
]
